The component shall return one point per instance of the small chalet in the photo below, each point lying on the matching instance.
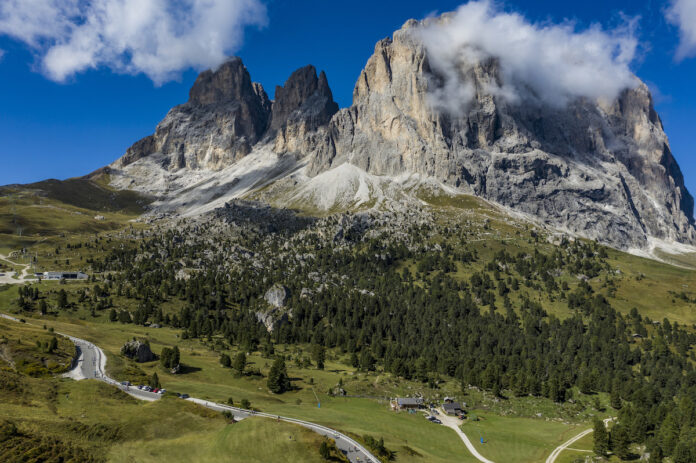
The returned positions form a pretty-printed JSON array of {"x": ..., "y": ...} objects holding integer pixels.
[
  {"x": 452, "y": 408},
  {"x": 407, "y": 403}
]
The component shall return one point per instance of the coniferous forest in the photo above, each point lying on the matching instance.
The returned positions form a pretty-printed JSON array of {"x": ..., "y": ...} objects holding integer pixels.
[{"x": 421, "y": 303}]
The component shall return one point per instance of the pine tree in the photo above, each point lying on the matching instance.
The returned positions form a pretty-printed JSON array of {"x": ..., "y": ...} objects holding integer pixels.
[
  {"x": 601, "y": 438},
  {"x": 225, "y": 360},
  {"x": 62, "y": 299},
  {"x": 154, "y": 381},
  {"x": 615, "y": 395},
  {"x": 324, "y": 451},
  {"x": 278, "y": 380},
  {"x": 620, "y": 441},
  {"x": 52, "y": 344},
  {"x": 367, "y": 361},
  {"x": 683, "y": 453},
  {"x": 318, "y": 355},
  {"x": 239, "y": 363}
]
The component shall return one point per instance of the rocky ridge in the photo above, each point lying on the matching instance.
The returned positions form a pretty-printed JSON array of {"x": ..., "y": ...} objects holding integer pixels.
[{"x": 603, "y": 170}]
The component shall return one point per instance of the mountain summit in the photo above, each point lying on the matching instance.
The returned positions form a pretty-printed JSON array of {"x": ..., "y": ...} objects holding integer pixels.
[{"x": 601, "y": 169}]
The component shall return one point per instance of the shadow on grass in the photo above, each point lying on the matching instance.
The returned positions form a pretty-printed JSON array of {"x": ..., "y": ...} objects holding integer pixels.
[{"x": 186, "y": 369}]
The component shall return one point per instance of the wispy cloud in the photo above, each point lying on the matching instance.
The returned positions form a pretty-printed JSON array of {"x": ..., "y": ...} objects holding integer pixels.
[
  {"x": 682, "y": 13},
  {"x": 156, "y": 37},
  {"x": 549, "y": 63}
]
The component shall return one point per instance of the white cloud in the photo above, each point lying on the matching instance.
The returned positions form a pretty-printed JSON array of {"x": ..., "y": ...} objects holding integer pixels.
[
  {"x": 156, "y": 37},
  {"x": 548, "y": 63},
  {"x": 682, "y": 13}
]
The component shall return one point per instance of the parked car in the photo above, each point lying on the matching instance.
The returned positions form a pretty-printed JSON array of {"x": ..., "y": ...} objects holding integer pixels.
[
  {"x": 161, "y": 391},
  {"x": 436, "y": 421},
  {"x": 184, "y": 396},
  {"x": 155, "y": 390}
]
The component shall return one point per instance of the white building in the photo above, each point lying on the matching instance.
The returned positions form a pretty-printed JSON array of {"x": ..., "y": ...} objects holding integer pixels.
[{"x": 63, "y": 276}]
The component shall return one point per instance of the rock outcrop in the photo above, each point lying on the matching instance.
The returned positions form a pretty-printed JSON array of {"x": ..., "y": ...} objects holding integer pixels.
[
  {"x": 277, "y": 296},
  {"x": 277, "y": 313},
  {"x": 138, "y": 351}
]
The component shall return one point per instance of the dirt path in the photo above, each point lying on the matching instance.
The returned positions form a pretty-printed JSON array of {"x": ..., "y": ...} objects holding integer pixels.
[
  {"x": 564, "y": 446},
  {"x": 7, "y": 278}
]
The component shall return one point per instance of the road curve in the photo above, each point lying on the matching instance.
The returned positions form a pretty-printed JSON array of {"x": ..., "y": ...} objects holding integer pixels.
[
  {"x": 557, "y": 451},
  {"x": 91, "y": 364},
  {"x": 453, "y": 423}
]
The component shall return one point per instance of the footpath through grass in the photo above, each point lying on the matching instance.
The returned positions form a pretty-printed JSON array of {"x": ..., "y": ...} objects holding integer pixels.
[{"x": 517, "y": 440}]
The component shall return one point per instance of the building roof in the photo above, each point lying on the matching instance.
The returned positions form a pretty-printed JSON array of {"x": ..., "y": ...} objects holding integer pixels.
[
  {"x": 451, "y": 406},
  {"x": 401, "y": 401}
]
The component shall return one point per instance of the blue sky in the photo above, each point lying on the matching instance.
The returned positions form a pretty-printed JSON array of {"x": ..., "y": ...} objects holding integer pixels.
[{"x": 58, "y": 124}]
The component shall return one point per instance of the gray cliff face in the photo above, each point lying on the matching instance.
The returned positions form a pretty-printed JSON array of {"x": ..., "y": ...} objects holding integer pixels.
[
  {"x": 601, "y": 170},
  {"x": 227, "y": 114}
]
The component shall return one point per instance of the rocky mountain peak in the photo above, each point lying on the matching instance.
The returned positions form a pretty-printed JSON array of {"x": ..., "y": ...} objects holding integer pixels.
[
  {"x": 230, "y": 82},
  {"x": 303, "y": 97},
  {"x": 226, "y": 115},
  {"x": 603, "y": 170}
]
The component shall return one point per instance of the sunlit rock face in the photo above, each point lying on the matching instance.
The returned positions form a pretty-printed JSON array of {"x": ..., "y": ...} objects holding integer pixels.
[{"x": 600, "y": 169}]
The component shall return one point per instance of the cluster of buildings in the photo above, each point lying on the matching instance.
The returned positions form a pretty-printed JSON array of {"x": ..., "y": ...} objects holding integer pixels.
[{"x": 449, "y": 405}]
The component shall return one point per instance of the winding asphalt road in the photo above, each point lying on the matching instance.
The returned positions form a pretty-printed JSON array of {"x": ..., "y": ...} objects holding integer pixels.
[{"x": 91, "y": 364}]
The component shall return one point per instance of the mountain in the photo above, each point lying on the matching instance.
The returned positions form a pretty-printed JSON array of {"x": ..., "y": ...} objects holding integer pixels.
[{"x": 598, "y": 169}]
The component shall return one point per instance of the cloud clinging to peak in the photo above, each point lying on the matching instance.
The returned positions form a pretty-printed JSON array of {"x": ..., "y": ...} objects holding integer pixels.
[
  {"x": 548, "y": 63},
  {"x": 682, "y": 13},
  {"x": 158, "y": 38}
]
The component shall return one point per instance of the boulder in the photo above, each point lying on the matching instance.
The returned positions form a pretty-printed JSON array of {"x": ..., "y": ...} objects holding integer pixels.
[{"x": 138, "y": 351}]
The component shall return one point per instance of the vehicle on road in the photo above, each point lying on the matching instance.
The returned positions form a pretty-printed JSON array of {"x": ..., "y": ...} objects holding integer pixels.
[{"x": 183, "y": 396}]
